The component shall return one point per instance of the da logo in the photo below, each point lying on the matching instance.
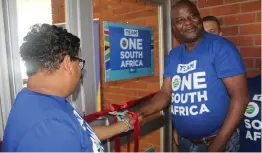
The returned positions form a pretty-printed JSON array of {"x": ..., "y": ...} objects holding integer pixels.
[
  {"x": 252, "y": 110},
  {"x": 123, "y": 43},
  {"x": 176, "y": 81}
]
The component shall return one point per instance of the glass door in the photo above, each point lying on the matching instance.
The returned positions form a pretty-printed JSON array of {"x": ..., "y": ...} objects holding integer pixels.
[
  {"x": 30, "y": 12},
  {"x": 5, "y": 90}
]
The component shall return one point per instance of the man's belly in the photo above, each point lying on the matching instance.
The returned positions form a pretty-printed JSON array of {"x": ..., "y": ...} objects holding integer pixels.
[{"x": 197, "y": 121}]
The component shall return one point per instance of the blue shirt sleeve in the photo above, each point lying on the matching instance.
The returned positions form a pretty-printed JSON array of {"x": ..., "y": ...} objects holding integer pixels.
[
  {"x": 228, "y": 61},
  {"x": 167, "y": 71},
  {"x": 51, "y": 136}
]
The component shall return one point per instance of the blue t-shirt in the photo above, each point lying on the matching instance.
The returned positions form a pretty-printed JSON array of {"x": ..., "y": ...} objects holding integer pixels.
[
  {"x": 45, "y": 123},
  {"x": 200, "y": 100},
  {"x": 251, "y": 125}
]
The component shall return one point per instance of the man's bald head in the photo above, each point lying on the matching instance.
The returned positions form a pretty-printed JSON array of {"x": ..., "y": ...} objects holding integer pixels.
[
  {"x": 184, "y": 2},
  {"x": 186, "y": 21}
]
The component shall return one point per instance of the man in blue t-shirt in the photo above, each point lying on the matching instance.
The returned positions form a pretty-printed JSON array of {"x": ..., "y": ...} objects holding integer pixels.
[
  {"x": 205, "y": 81},
  {"x": 251, "y": 125},
  {"x": 41, "y": 119}
]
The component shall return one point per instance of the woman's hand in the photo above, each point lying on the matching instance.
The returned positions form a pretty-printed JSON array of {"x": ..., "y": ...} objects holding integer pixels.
[
  {"x": 125, "y": 124},
  {"x": 128, "y": 121}
]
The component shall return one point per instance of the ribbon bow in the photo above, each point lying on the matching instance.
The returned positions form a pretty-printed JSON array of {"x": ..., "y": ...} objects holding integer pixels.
[{"x": 118, "y": 108}]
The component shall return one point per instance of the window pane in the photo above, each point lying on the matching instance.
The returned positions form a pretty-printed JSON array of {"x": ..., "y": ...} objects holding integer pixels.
[{"x": 30, "y": 12}]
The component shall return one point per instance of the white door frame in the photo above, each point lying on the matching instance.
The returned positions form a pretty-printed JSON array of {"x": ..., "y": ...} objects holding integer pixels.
[
  {"x": 12, "y": 46},
  {"x": 10, "y": 73}
]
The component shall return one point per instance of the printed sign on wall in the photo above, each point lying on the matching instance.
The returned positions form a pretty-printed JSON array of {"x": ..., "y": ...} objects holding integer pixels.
[{"x": 129, "y": 51}]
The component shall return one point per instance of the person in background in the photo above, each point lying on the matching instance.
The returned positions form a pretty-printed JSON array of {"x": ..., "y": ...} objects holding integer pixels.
[
  {"x": 205, "y": 82},
  {"x": 212, "y": 25},
  {"x": 41, "y": 119},
  {"x": 251, "y": 125}
]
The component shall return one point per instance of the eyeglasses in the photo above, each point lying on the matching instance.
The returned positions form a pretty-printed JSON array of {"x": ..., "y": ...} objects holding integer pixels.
[
  {"x": 81, "y": 61},
  {"x": 73, "y": 58}
]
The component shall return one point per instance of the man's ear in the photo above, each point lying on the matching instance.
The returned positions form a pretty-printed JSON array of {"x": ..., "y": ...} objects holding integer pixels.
[
  {"x": 173, "y": 29},
  {"x": 67, "y": 64}
]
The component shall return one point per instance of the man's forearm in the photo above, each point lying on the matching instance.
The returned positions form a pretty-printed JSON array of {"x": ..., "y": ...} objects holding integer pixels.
[
  {"x": 159, "y": 102},
  {"x": 236, "y": 111}
]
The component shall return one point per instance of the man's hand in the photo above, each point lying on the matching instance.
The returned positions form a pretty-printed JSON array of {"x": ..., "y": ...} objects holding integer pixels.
[
  {"x": 238, "y": 91},
  {"x": 213, "y": 147},
  {"x": 176, "y": 137}
]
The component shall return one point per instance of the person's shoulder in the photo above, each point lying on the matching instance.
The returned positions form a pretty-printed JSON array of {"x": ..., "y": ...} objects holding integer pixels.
[
  {"x": 32, "y": 107},
  {"x": 176, "y": 50},
  {"x": 40, "y": 101},
  {"x": 221, "y": 45},
  {"x": 218, "y": 40}
]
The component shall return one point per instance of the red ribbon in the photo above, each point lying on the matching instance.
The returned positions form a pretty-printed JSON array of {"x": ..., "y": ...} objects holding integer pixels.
[{"x": 117, "y": 108}]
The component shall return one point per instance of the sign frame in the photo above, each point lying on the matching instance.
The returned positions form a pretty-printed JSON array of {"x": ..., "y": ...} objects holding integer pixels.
[{"x": 128, "y": 73}]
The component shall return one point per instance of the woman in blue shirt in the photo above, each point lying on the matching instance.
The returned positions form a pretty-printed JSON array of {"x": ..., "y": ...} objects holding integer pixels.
[{"x": 41, "y": 118}]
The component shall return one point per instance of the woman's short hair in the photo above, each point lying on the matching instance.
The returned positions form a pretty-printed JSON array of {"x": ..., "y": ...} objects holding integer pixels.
[{"x": 44, "y": 47}]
